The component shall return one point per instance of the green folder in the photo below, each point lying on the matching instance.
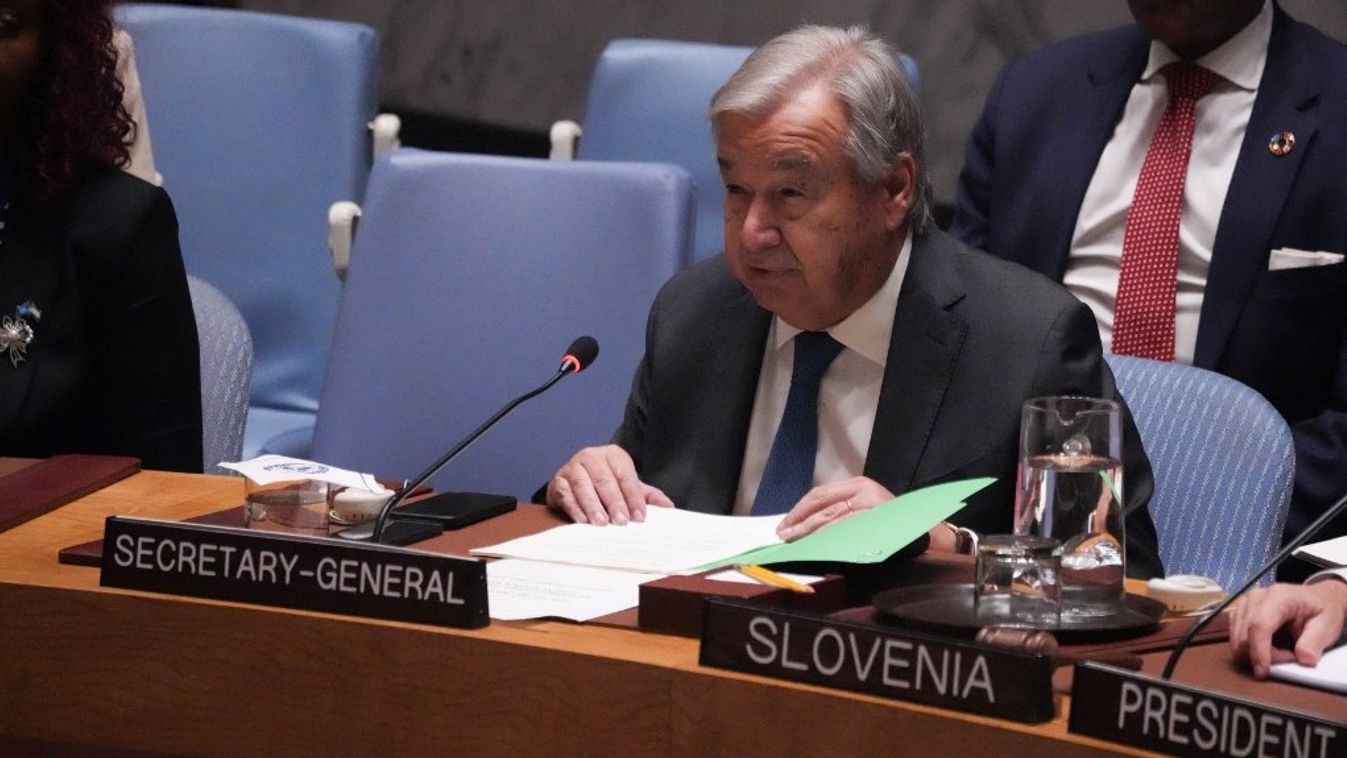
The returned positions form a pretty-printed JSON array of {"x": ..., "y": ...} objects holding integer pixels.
[{"x": 872, "y": 535}]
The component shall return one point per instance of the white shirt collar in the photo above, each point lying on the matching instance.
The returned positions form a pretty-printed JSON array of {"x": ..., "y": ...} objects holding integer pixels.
[
  {"x": 1239, "y": 61},
  {"x": 868, "y": 329}
]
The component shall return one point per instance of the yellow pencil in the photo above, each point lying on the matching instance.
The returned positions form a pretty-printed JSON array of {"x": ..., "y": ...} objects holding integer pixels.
[{"x": 769, "y": 577}]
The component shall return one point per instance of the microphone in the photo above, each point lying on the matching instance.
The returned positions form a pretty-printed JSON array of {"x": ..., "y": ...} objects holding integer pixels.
[
  {"x": 579, "y": 355},
  {"x": 577, "y": 358},
  {"x": 1276, "y": 561}
]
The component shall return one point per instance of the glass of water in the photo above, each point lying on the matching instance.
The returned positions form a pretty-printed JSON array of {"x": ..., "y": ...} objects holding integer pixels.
[
  {"x": 1070, "y": 489},
  {"x": 1018, "y": 581},
  {"x": 294, "y": 507}
]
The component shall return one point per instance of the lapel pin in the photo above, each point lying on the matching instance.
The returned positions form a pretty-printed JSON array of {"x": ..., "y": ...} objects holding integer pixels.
[
  {"x": 1281, "y": 143},
  {"x": 16, "y": 334}
]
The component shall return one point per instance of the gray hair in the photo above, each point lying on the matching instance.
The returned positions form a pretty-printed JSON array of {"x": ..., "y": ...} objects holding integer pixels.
[{"x": 863, "y": 71}]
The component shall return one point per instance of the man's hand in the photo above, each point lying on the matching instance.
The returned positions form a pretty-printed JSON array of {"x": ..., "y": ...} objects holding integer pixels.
[
  {"x": 831, "y": 502},
  {"x": 599, "y": 485},
  {"x": 1313, "y": 614}
]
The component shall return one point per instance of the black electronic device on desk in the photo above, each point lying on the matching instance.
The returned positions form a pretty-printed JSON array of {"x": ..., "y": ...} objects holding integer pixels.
[{"x": 443, "y": 512}]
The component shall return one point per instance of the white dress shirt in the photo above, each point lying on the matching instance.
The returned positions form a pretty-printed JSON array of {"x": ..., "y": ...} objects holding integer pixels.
[
  {"x": 1221, "y": 118},
  {"x": 1337, "y": 573},
  {"x": 848, "y": 393},
  {"x": 1340, "y": 573}
]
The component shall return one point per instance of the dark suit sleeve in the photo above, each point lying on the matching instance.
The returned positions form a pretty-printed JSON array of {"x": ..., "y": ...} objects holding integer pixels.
[
  {"x": 974, "y": 194},
  {"x": 1071, "y": 362},
  {"x": 1321, "y": 449},
  {"x": 631, "y": 435},
  {"x": 144, "y": 350}
]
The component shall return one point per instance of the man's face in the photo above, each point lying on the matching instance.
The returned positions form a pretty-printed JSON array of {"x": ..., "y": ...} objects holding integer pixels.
[
  {"x": 20, "y": 55},
  {"x": 1193, "y": 28},
  {"x": 808, "y": 240}
]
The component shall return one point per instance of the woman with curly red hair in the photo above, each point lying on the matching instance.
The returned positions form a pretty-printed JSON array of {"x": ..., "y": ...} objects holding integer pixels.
[{"x": 98, "y": 343}]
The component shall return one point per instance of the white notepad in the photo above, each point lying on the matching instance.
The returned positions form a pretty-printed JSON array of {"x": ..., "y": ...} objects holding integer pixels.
[{"x": 1329, "y": 674}]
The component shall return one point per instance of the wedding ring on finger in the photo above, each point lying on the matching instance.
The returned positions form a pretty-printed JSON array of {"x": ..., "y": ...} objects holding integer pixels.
[{"x": 851, "y": 508}]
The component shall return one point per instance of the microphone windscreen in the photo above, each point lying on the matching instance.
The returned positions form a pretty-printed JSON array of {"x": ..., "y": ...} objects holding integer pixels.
[{"x": 583, "y": 350}]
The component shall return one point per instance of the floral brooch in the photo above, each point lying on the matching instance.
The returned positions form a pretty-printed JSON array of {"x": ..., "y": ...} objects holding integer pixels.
[{"x": 16, "y": 334}]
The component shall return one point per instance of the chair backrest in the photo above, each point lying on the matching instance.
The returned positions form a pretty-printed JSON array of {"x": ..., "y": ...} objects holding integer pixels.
[
  {"x": 1224, "y": 464},
  {"x": 226, "y": 373},
  {"x": 470, "y": 276},
  {"x": 259, "y": 125},
  {"x": 647, "y": 102}
]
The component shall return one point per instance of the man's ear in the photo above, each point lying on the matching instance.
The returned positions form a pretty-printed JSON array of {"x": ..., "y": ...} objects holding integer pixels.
[{"x": 900, "y": 190}]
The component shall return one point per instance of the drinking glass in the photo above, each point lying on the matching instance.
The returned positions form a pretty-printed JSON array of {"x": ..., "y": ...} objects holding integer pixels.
[
  {"x": 1018, "y": 581},
  {"x": 295, "y": 507},
  {"x": 1070, "y": 489}
]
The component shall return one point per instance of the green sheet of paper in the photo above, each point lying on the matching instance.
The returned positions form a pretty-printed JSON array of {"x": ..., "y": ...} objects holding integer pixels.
[{"x": 873, "y": 535}]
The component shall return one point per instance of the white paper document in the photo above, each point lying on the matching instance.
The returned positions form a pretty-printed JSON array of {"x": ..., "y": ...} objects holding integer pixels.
[
  {"x": 1329, "y": 674},
  {"x": 738, "y": 577},
  {"x": 1329, "y": 553},
  {"x": 269, "y": 469},
  {"x": 669, "y": 541},
  {"x": 529, "y": 589}
]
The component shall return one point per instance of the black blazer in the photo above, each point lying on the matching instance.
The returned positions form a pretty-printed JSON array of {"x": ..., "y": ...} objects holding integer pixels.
[
  {"x": 114, "y": 364},
  {"x": 973, "y": 337},
  {"x": 1030, "y": 160}
]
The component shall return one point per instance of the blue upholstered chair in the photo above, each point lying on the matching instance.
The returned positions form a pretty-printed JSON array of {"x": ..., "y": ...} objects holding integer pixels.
[
  {"x": 1224, "y": 465},
  {"x": 470, "y": 276},
  {"x": 647, "y": 102},
  {"x": 226, "y": 373},
  {"x": 259, "y": 125}
]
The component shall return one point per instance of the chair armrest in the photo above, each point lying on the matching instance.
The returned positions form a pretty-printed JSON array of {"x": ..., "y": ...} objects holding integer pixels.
[
  {"x": 385, "y": 129},
  {"x": 342, "y": 219},
  {"x": 565, "y": 136}
]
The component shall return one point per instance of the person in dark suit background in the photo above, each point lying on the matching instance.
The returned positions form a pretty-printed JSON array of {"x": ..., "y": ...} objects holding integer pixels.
[
  {"x": 98, "y": 343},
  {"x": 1260, "y": 287},
  {"x": 933, "y": 347}
]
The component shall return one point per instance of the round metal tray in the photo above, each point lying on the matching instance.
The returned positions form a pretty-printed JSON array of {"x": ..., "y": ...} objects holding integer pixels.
[{"x": 949, "y": 608}]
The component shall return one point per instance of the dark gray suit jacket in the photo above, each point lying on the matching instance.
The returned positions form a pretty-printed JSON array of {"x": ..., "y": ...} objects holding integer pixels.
[{"x": 973, "y": 337}]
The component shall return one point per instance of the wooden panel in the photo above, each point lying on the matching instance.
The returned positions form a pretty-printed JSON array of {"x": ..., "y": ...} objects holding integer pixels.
[
  {"x": 152, "y": 674},
  {"x": 86, "y": 666}
]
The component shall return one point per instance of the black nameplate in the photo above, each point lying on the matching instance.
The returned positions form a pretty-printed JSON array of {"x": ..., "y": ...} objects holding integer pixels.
[
  {"x": 899, "y": 665},
  {"x": 288, "y": 571},
  {"x": 1146, "y": 712}
]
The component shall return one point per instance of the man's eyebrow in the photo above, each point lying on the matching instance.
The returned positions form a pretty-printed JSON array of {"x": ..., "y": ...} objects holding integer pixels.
[
  {"x": 794, "y": 163},
  {"x": 791, "y": 163}
]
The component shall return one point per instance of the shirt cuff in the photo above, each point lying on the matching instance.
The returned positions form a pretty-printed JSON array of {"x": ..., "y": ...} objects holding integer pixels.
[{"x": 1341, "y": 576}]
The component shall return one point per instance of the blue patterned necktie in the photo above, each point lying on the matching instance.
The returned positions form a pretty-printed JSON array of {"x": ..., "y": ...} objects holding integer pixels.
[{"x": 789, "y": 473}]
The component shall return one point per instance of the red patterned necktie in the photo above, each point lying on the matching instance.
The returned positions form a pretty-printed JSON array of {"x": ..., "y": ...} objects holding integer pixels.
[{"x": 1143, "y": 317}]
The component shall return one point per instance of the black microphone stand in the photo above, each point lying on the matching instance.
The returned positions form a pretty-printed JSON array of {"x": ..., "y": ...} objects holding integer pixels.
[{"x": 435, "y": 467}]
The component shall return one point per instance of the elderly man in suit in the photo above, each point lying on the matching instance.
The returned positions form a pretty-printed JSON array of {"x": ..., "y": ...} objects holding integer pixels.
[
  {"x": 842, "y": 349},
  {"x": 1183, "y": 178}
]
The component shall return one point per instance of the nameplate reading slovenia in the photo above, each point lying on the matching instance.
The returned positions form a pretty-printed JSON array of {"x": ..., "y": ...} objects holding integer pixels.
[
  {"x": 877, "y": 661},
  {"x": 1146, "y": 712},
  {"x": 315, "y": 574}
]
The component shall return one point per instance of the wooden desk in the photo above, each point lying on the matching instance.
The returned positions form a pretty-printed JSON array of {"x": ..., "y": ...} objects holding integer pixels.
[{"x": 83, "y": 666}]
